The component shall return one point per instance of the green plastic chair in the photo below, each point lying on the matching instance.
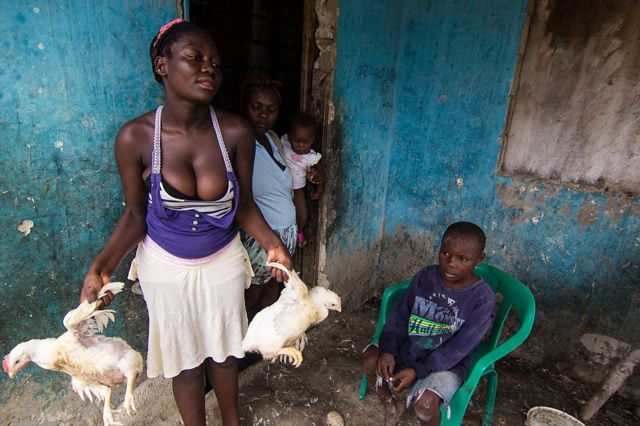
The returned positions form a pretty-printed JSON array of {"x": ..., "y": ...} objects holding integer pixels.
[{"x": 515, "y": 295}]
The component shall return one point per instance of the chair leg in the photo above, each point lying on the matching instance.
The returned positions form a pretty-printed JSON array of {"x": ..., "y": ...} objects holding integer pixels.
[
  {"x": 363, "y": 387},
  {"x": 492, "y": 386}
]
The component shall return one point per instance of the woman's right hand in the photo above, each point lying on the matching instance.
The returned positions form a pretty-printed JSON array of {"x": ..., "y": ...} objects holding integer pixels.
[
  {"x": 92, "y": 284},
  {"x": 281, "y": 255}
]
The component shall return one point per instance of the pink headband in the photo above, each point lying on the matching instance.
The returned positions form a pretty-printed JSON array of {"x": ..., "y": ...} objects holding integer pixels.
[{"x": 164, "y": 28}]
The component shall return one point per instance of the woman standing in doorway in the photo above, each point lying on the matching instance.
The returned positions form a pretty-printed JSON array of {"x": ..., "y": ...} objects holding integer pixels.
[
  {"x": 272, "y": 185},
  {"x": 186, "y": 171}
]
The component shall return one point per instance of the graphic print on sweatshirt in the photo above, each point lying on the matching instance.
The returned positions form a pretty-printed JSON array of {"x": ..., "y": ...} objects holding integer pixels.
[{"x": 433, "y": 320}]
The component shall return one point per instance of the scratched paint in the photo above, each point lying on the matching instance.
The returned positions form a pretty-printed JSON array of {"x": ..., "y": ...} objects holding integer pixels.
[
  {"x": 425, "y": 85},
  {"x": 24, "y": 227},
  {"x": 73, "y": 73}
]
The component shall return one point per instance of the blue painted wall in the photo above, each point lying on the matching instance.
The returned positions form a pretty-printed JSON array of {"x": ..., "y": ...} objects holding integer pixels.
[
  {"x": 72, "y": 73},
  {"x": 421, "y": 97}
]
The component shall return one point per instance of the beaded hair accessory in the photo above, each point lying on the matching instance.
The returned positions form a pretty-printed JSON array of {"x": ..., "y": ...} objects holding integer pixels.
[{"x": 163, "y": 29}]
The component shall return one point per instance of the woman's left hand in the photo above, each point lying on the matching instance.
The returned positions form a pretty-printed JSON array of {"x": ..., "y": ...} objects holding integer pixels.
[{"x": 281, "y": 255}]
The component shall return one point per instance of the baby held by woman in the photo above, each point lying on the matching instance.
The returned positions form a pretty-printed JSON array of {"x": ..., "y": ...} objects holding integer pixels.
[{"x": 300, "y": 157}]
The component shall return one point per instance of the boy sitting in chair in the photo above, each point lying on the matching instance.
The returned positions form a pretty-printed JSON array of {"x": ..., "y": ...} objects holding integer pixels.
[{"x": 433, "y": 330}]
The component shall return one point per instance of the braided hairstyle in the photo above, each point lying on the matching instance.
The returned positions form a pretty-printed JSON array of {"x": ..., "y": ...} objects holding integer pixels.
[
  {"x": 166, "y": 37},
  {"x": 255, "y": 82}
]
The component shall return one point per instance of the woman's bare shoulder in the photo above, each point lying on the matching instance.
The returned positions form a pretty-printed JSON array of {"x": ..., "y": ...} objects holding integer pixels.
[
  {"x": 137, "y": 131},
  {"x": 235, "y": 128}
]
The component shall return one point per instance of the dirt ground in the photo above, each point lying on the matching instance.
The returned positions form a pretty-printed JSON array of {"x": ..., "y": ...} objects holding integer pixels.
[{"x": 329, "y": 379}]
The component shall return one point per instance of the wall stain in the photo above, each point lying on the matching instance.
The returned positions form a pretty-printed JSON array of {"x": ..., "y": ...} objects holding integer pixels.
[{"x": 589, "y": 213}]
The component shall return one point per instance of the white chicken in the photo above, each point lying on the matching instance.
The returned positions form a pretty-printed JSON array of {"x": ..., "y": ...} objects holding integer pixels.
[
  {"x": 279, "y": 329},
  {"x": 95, "y": 362}
]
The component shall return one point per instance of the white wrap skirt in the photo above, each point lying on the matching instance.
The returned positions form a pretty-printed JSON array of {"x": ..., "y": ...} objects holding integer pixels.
[{"x": 196, "y": 306}]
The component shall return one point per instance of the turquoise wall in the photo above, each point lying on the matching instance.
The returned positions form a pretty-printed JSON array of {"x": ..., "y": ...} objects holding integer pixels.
[
  {"x": 421, "y": 97},
  {"x": 72, "y": 73}
]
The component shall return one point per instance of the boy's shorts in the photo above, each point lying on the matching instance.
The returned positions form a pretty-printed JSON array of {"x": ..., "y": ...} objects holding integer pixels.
[{"x": 442, "y": 383}]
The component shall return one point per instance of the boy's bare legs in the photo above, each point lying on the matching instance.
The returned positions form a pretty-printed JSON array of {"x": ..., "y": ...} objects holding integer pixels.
[
  {"x": 393, "y": 408},
  {"x": 427, "y": 408}
]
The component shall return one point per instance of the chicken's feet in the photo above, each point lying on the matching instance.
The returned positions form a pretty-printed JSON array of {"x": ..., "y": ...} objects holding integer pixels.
[
  {"x": 129, "y": 401},
  {"x": 299, "y": 344},
  {"x": 293, "y": 355},
  {"x": 107, "y": 411}
]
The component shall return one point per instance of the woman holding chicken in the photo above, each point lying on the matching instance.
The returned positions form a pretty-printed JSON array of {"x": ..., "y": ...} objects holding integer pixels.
[
  {"x": 186, "y": 171},
  {"x": 272, "y": 185}
]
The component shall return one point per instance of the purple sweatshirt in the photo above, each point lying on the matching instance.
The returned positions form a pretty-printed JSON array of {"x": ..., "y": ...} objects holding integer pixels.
[{"x": 434, "y": 328}]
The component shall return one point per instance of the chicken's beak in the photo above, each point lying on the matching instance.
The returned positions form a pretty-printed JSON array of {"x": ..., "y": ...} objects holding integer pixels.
[{"x": 5, "y": 367}]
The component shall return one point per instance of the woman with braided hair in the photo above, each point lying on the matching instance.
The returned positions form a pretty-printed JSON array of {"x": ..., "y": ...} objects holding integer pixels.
[
  {"x": 186, "y": 171},
  {"x": 272, "y": 185}
]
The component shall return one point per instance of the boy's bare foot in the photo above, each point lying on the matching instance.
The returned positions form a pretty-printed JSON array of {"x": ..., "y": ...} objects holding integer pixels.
[{"x": 393, "y": 410}]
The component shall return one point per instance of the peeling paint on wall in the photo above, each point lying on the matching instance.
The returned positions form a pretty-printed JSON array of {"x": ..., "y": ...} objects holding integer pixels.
[
  {"x": 578, "y": 250},
  {"x": 25, "y": 226},
  {"x": 589, "y": 213}
]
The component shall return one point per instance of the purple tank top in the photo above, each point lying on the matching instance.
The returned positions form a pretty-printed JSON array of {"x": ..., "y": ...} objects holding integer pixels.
[{"x": 190, "y": 228}]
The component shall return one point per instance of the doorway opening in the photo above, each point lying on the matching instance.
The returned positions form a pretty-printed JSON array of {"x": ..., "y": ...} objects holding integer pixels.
[
  {"x": 257, "y": 36},
  {"x": 276, "y": 38}
]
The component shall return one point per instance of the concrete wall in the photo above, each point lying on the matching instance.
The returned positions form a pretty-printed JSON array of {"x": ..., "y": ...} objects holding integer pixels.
[
  {"x": 72, "y": 73},
  {"x": 358, "y": 157},
  {"x": 421, "y": 96},
  {"x": 575, "y": 114}
]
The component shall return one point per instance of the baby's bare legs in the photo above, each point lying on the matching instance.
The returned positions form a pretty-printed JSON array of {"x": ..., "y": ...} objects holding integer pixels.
[
  {"x": 300, "y": 203},
  {"x": 393, "y": 408}
]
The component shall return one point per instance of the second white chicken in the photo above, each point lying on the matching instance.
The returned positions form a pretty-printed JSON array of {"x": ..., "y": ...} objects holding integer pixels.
[{"x": 279, "y": 329}]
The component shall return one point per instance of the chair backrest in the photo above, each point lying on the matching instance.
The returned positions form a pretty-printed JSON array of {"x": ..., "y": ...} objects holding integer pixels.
[{"x": 514, "y": 295}]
